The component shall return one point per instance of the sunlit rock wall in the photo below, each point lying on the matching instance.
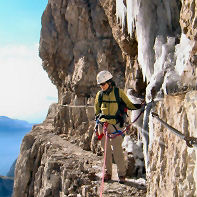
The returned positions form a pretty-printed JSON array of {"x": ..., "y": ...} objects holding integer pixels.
[
  {"x": 49, "y": 165},
  {"x": 172, "y": 162},
  {"x": 77, "y": 42},
  {"x": 188, "y": 18},
  {"x": 79, "y": 39}
]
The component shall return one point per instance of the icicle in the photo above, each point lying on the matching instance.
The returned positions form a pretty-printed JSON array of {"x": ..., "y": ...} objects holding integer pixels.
[
  {"x": 183, "y": 51},
  {"x": 132, "y": 11},
  {"x": 121, "y": 11}
]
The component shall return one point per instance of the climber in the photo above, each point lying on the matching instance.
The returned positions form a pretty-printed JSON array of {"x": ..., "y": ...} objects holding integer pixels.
[{"x": 108, "y": 110}]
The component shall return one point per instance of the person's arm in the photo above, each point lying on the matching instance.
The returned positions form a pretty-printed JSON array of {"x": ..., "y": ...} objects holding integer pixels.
[
  {"x": 96, "y": 105},
  {"x": 128, "y": 103}
]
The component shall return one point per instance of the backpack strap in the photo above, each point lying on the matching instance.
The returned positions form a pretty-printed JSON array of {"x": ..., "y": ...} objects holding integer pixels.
[
  {"x": 100, "y": 98},
  {"x": 122, "y": 109},
  {"x": 118, "y": 100},
  {"x": 116, "y": 93}
]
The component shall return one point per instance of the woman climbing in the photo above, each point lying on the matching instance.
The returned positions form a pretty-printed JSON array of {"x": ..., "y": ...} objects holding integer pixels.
[{"x": 110, "y": 105}]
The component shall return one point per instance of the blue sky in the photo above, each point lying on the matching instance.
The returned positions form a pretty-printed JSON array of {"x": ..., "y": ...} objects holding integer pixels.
[
  {"x": 20, "y": 21},
  {"x": 26, "y": 91}
]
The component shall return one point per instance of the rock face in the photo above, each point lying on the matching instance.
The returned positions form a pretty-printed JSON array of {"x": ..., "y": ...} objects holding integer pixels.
[
  {"x": 188, "y": 19},
  {"x": 78, "y": 39},
  {"x": 172, "y": 162},
  {"x": 76, "y": 42},
  {"x": 49, "y": 165}
]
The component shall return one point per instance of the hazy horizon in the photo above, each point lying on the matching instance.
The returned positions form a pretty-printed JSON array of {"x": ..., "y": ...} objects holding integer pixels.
[
  {"x": 26, "y": 90},
  {"x": 12, "y": 132}
]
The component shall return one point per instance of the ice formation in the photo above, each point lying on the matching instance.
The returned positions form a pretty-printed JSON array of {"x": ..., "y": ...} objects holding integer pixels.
[
  {"x": 151, "y": 18},
  {"x": 128, "y": 11},
  {"x": 132, "y": 11},
  {"x": 133, "y": 147},
  {"x": 157, "y": 26},
  {"x": 121, "y": 12},
  {"x": 182, "y": 52},
  {"x": 164, "y": 62},
  {"x": 136, "y": 149}
]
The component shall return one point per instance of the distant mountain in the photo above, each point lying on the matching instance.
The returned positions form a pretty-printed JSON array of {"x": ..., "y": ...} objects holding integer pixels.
[
  {"x": 11, "y": 171},
  {"x": 6, "y": 186},
  {"x": 7, "y": 182},
  {"x": 13, "y": 124}
]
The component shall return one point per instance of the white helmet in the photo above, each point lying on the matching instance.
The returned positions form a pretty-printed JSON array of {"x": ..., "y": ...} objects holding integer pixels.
[{"x": 103, "y": 76}]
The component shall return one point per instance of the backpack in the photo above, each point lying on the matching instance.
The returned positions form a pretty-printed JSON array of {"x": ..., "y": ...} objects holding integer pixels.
[{"x": 121, "y": 114}]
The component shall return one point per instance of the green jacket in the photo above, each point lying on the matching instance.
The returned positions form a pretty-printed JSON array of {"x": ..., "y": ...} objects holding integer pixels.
[{"x": 111, "y": 108}]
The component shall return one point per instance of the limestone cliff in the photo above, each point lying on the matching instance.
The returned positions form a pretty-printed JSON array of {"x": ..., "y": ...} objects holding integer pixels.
[
  {"x": 172, "y": 162},
  {"x": 50, "y": 165},
  {"x": 78, "y": 39}
]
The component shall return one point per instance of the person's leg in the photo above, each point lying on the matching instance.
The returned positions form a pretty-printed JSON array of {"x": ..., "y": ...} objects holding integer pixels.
[{"x": 118, "y": 154}]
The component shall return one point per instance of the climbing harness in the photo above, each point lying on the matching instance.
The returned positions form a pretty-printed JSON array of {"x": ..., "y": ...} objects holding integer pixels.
[
  {"x": 104, "y": 162},
  {"x": 110, "y": 135},
  {"x": 190, "y": 141},
  {"x": 116, "y": 132}
]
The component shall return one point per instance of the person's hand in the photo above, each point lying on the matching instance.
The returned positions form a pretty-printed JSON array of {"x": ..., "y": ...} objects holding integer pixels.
[{"x": 143, "y": 104}]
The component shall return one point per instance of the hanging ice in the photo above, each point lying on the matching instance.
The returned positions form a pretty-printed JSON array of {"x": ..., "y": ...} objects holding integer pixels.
[
  {"x": 132, "y": 11},
  {"x": 139, "y": 14},
  {"x": 151, "y": 18},
  {"x": 157, "y": 28},
  {"x": 121, "y": 11}
]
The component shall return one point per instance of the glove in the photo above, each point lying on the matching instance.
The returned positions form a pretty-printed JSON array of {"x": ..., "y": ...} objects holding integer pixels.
[
  {"x": 99, "y": 137},
  {"x": 143, "y": 105}
]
